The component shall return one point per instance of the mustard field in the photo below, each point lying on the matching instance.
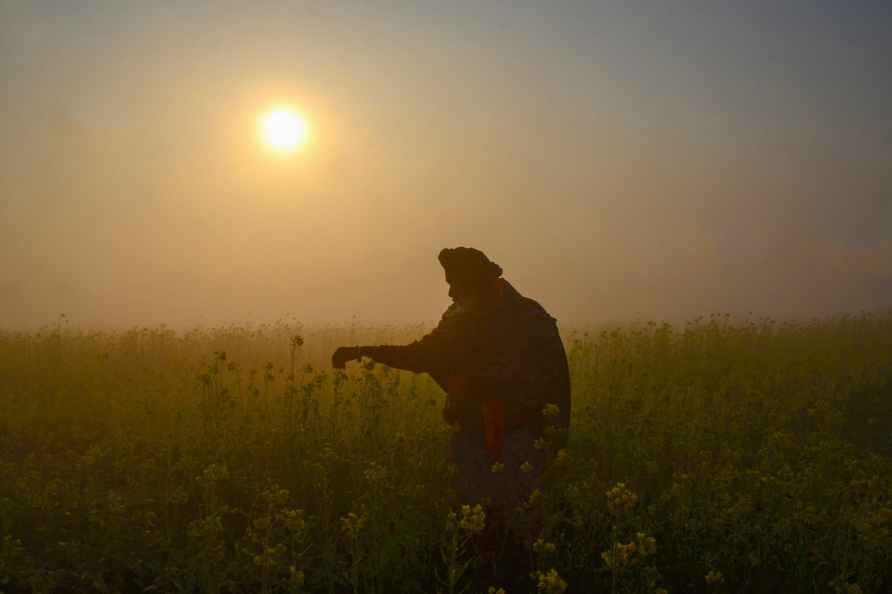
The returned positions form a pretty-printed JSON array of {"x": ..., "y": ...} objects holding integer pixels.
[{"x": 720, "y": 455}]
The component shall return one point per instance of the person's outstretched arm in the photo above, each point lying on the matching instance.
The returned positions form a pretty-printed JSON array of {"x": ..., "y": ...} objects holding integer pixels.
[{"x": 437, "y": 350}]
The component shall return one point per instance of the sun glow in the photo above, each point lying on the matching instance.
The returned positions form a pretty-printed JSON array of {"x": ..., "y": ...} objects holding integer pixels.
[{"x": 284, "y": 129}]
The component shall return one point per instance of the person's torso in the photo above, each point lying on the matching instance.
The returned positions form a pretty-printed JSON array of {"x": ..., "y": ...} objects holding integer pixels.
[{"x": 518, "y": 346}]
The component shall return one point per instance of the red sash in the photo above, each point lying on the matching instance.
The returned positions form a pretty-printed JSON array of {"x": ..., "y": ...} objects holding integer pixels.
[
  {"x": 494, "y": 425},
  {"x": 493, "y": 412}
]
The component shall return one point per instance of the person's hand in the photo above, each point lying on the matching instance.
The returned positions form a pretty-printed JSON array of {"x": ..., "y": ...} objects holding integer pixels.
[{"x": 343, "y": 355}]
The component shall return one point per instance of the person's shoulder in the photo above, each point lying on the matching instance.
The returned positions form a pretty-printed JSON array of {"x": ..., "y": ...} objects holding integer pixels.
[{"x": 527, "y": 307}]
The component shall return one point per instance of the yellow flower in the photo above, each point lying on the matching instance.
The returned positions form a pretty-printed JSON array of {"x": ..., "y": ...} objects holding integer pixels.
[
  {"x": 473, "y": 519},
  {"x": 375, "y": 473},
  {"x": 619, "y": 555},
  {"x": 535, "y": 497},
  {"x": 620, "y": 499},
  {"x": 297, "y": 577},
  {"x": 714, "y": 577},
  {"x": 293, "y": 519},
  {"x": 526, "y": 467},
  {"x": 351, "y": 524},
  {"x": 551, "y": 583},
  {"x": 451, "y": 520},
  {"x": 551, "y": 410},
  {"x": 494, "y": 590},
  {"x": 497, "y": 467},
  {"x": 542, "y": 546},
  {"x": 646, "y": 544}
]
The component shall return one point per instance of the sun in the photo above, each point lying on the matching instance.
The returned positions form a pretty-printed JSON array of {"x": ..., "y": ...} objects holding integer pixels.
[{"x": 284, "y": 129}]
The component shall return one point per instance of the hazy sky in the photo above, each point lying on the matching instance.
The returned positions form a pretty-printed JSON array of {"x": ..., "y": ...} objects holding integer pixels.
[{"x": 620, "y": 160}]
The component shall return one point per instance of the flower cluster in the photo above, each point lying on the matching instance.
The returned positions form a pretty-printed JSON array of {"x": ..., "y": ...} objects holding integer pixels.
[
  {"x": 619, "y": 555},
  {"x": 270, "y": 556},
  {"x": 293, "y": 520},
  {"x": 295, "y": 577},
  {"x": 472, "y": 519},
  {"x": 551, "y": 410},
  {"x": 375, "y": 473},
  {"x": 213, "y": 474},
  {"x": 541, "y": 546},
  {"x": 550, "y": 582},
  {"x": 351, "y": 524},
  {"x": 647, "y": 545},
  {"x": 621, "y": 499},
  {"x": 714, "y": 577}
]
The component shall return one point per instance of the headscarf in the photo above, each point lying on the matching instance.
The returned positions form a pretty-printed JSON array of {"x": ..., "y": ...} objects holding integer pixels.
[{"x": 468, "y": 266}]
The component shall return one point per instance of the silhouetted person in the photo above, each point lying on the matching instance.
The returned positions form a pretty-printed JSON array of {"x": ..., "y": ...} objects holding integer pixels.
[{"x": 500, "y": 359}]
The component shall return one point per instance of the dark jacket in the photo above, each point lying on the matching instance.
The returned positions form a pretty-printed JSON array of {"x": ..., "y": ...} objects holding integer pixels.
[{"x": 511, "y": 353}]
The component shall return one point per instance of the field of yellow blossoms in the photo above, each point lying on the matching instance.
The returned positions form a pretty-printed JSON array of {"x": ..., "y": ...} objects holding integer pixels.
[{"x": 719, "y": 456}]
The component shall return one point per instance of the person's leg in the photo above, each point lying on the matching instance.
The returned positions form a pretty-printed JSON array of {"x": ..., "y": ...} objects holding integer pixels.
[
  {"x": 468, "y": 455},
  {"x": 511, "y": 525},
  {"x": 474, "y": 484},
  {"x": 521, "y": 523}
]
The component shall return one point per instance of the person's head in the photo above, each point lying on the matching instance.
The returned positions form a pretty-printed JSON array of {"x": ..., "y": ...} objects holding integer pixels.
[{"x": 472, "y": 277}]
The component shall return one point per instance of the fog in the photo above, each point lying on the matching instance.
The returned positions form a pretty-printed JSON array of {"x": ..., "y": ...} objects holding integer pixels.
[{"x": 620, "y": 162}]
